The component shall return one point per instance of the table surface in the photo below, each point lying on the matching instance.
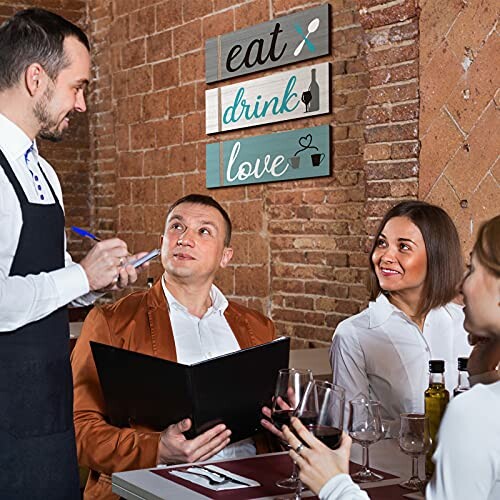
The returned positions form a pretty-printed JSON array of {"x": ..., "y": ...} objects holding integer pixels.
[{"x": 145, "y": 485}]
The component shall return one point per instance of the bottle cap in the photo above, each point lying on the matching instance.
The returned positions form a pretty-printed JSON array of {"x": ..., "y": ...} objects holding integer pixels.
[
  {"x": 462, "y": 364},
  {"x": 436, "y": 366}
]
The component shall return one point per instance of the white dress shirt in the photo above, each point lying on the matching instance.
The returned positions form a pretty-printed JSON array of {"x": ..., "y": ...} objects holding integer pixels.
[
  {"x": 27, "y": 299},
  {"x": 197, "y": 339},
  {"x": 382, "y": 353},
  {"x": 342, "y": 487},
  {"x": 468, "y": 454}
]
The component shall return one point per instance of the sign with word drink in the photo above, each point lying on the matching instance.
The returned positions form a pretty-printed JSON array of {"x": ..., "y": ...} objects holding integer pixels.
[
  {"x": 283, "y": 156},
  {"x": 285, "y": 40},
  {"x": 299, "y": 93}
]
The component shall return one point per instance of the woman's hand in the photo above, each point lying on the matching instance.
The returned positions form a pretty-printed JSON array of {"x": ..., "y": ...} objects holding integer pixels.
[{"x": 317, "y": 462}]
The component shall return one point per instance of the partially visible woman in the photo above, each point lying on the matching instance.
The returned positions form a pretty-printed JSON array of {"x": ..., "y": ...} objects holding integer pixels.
[
  {"x": 382, "y": 353},
  {"x": 468, "y": 453}
]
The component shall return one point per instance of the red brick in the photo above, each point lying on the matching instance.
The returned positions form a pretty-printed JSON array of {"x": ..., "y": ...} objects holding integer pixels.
[
  {"x": 159, "y": 46},
  {"x": 168, "y": 132},
  {"x": 142, "y": 136},
  {"x": 187, "y": 37},
  {"x": 155, "y": 105},
  {"x": 396, "y": 170},
  {"x": 142, "y": 22},
  {"x": 193, "y": 67},
  {"x": 130, "y": 164},
  {"x": 194, "y": 127},
  {"x": 166, "y": 74},
  {"x": 392, "y": 14},
  {"x": 156, "y": 162},
  {"x": 168, "y": 14},
  {"x": 396, "y": 132},
  {"x": 218, "y": 24},
  {"x": 168, "y": 189},
  {"x": 193, "y": 9},
  {"x": 139, "y": 80},
  {"x": 251, "y": 13},
  {"x": 182, "y": 100}
]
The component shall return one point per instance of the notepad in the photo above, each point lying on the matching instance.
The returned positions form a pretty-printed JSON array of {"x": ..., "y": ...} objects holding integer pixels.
[{"x": 148, "y": 391}]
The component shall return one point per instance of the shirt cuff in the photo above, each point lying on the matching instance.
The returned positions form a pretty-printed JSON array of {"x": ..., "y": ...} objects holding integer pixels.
[
  {"x": 341, "y": 486},
  {"x": 485, "y": 378},
  {"x": 71, "y": 282}
]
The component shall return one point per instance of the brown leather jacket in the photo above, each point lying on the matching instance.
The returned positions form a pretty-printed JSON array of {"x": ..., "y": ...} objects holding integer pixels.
[{"x": 139, "y": 322}]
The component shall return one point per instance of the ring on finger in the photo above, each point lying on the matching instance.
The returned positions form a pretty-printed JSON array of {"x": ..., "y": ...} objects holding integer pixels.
[{"x": 299, "y": 448}]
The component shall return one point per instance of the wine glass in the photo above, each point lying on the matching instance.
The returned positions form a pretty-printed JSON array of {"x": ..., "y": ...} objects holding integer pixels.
[
  {"x": 321, "y": 410},
  {"x": 414, "y": 440},
  {"x": 306, "y": 99},
  {"x": 365, "y": 428},
  {"x": 290, "y": 387}
]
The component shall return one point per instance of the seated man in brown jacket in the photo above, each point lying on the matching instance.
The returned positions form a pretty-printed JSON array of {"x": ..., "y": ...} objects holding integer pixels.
[{"x": 183, "y": 318}]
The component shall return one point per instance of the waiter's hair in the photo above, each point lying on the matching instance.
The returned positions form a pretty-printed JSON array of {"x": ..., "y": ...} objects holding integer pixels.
[
  {"x": 35, "y": 36},
  {"x": 444, "y": 254},
  {"x": 487, "y": 246},
  {"x": 202, "y": 199}
]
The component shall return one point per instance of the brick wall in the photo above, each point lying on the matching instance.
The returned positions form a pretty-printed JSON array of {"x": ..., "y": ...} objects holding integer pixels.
[
  {"x": 301, "y": 255},
  {"x": 459, "y": 120},
  {"x": 70, "y": 158}
]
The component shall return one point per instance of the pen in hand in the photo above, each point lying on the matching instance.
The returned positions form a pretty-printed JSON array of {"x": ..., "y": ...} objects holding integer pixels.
[{"x": 84, "y": 234}]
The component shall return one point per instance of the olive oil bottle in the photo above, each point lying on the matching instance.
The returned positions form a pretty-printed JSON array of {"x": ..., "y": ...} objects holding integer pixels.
[{"x": 436, "y": 399}]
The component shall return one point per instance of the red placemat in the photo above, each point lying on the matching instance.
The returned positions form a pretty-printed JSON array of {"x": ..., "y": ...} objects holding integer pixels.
[{"x": 266, "y": 469}]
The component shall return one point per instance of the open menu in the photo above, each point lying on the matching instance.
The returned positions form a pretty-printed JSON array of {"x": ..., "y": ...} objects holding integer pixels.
[{"x": 148, "y": 391}]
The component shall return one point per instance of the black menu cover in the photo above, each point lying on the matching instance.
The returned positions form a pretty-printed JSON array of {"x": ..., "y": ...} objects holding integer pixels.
[{"x": 154, "y": 392}]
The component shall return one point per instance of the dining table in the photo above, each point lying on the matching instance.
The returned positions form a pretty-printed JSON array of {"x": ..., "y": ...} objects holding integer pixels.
[{"x": 169, "y": 482}]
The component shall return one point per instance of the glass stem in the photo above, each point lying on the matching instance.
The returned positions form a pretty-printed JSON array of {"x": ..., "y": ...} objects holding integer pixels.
[
  {"x": 294, "y": 471},
  {"x": 414, "y": 468},
  {"x": 366, "y": 459}
]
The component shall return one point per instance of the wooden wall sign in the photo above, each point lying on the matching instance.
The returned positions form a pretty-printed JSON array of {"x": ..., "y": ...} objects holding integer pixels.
[
  {"x": 298, "y": 154},
  {"x": 285, "y": 40},
  {"x": 298, "y": 93}
]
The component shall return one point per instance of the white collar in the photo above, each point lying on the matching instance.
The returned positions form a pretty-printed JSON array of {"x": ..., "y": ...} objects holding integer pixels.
[
  {"x": 13, "y": 140},
  {"x": 381, "y": 310},
  {"x": 219, "y": 302}
]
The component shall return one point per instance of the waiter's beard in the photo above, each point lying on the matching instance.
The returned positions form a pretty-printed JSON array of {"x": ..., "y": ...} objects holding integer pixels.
[{"x": 48, "y": 125}]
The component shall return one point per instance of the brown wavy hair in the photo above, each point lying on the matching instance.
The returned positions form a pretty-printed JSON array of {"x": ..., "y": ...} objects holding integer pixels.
[
  {"x": 487, "y": 246},
  {"x": 442, "y": 245}
]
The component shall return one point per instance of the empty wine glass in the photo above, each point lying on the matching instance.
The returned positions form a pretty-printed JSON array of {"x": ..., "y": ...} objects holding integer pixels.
[
  {"x": 290, "y": 387},
  {"x": 414, "y": 440},
  {"x": 365, "y": 428}
]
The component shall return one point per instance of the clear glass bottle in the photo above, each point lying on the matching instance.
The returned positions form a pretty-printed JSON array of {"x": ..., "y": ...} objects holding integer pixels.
[
  {"x": 436, "y": 398},
  {"x": 463, "y": 377}
]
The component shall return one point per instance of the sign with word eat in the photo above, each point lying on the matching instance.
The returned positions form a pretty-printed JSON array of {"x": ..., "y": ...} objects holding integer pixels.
[
  {"x": 285, "y": 40},
  {"x": 284, "y": 156},
  {"x": 299, "y": 93}
]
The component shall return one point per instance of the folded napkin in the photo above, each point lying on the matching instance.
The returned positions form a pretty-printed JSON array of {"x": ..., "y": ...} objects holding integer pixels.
[{"x": 212, "y": 480}]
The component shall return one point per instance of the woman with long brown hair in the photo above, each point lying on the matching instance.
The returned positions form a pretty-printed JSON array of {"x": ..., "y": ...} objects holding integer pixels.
[{"x": 383, "y": 352}]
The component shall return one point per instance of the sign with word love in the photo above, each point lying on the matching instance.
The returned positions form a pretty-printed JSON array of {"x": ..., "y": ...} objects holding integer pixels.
[
  {"x": 284, "y": 156},
  {"x": 285, "y": 40},
  {"x": 299, "y": 93}
]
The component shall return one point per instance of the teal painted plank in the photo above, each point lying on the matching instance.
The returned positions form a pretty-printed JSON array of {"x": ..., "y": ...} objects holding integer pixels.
[{"x": 284, "y": 156}]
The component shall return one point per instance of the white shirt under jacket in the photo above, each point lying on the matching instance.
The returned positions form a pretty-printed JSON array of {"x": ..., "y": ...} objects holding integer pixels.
[
  {"x": 27, "y": 299},
  {"x": 382, "y": 353},
  {"x": 197, "y": 339}
]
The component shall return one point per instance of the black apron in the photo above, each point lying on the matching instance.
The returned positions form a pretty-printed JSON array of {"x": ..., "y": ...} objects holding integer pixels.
[{"x": 37, "y": 441}]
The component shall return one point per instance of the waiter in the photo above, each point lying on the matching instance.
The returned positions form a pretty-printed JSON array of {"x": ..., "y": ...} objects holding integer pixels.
[{"x": 44, "y": 69}]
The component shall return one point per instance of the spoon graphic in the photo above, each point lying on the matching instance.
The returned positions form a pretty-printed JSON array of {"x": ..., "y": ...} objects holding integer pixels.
[{"x": 313, "y": 26}]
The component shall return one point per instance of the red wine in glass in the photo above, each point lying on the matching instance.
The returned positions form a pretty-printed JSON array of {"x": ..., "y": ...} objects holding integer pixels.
[
  {"x": 330, "y": 436},
  {"x": 281, "y": 417}
]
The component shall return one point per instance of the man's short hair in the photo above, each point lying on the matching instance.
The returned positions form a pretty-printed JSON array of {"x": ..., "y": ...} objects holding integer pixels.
[
  {"x": 201, "y": 199},
  {"x": 34, "y": 36}
]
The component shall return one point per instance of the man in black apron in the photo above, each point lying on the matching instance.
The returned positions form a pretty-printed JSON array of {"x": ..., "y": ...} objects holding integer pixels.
[{"x": 44, "y": 67}]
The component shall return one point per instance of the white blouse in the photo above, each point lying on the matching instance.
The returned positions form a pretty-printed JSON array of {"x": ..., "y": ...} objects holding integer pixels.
[{"x": 381, "y": 353}]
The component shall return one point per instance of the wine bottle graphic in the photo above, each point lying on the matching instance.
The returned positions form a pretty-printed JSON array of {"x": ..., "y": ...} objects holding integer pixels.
[{"x": 314, "y": 90}]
